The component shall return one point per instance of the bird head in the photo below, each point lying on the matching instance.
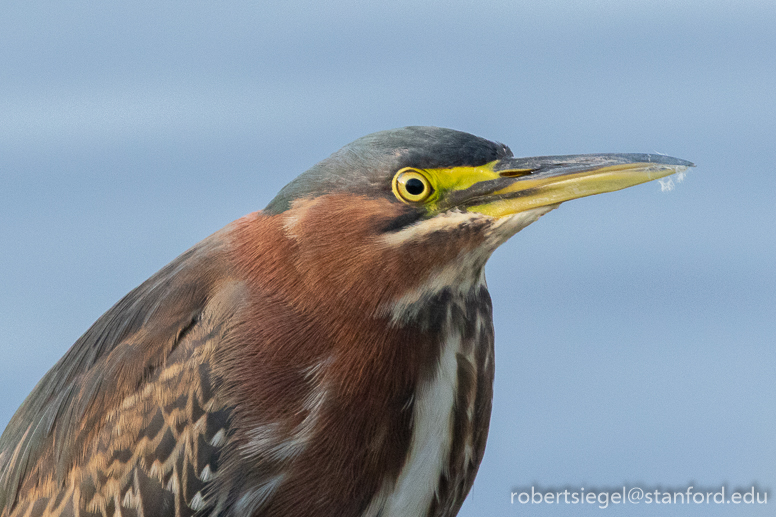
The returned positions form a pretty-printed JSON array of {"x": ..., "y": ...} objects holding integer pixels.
[{"x": 427, "y": 206}]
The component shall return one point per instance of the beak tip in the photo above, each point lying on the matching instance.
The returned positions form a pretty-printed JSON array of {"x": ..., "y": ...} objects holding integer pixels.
[
  {"x": 657, "y": 159},
  {"x": 670, "y": 160}
]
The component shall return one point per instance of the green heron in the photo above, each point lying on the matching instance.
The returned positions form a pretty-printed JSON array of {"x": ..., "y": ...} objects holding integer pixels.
[{"x": 330, "y": 355}]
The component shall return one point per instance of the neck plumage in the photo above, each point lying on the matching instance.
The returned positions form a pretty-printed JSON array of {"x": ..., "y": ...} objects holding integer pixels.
[{"x": 376, "y": 391}]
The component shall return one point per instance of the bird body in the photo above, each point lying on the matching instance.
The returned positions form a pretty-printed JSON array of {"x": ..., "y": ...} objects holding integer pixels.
[{"x": 330, "y": 355}]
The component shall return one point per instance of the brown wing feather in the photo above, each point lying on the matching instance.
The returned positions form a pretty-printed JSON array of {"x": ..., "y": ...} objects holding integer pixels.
[{"x": 128, "y": 419}]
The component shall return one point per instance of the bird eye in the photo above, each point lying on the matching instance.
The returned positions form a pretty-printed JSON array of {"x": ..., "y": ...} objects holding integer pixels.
[{"x": 411, "y": 186}]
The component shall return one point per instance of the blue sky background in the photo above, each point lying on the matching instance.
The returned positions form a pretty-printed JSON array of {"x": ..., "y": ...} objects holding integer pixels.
[{"x": 635, "y": 330}]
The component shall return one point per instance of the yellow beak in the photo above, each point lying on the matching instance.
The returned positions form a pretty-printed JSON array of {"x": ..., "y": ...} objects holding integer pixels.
[{"x": 513, "y": 185}]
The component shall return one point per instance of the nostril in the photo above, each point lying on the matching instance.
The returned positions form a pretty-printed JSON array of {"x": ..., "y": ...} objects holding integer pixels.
[{"x": 516, "y": 173}]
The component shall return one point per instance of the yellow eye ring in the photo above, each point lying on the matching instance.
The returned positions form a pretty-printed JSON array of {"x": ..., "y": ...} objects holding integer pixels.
[{"x": 410, "y": 186}]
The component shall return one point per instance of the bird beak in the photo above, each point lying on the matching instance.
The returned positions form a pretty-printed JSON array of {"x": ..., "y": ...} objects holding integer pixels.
[{"x": 514, "y": 185}]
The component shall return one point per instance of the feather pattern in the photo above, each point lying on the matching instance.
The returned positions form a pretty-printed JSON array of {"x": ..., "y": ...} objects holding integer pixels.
[{"x": 131, "y": 407}]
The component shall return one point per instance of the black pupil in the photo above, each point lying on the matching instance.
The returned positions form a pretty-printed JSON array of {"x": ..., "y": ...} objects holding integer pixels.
[{"x": 414, "y": 186}]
